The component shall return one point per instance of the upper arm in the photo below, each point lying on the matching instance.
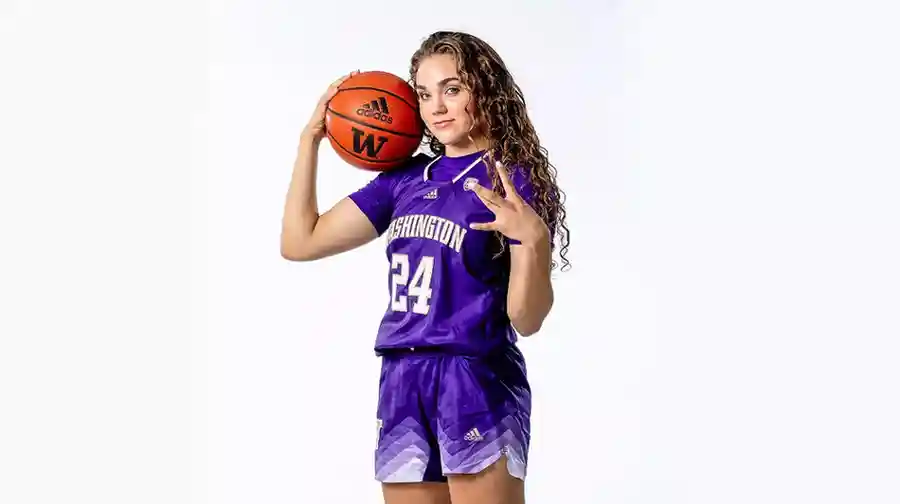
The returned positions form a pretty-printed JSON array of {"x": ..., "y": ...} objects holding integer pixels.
[
  {"x": 354, "y": 221},
  {"x": 344, "y": 227}
]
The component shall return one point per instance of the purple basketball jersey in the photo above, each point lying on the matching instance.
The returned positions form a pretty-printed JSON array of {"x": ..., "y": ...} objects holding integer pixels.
[{"x": 447, "y": 288}]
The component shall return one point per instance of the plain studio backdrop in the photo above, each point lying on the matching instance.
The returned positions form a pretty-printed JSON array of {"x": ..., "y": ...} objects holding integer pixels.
[{"x": 728, "y": 332}]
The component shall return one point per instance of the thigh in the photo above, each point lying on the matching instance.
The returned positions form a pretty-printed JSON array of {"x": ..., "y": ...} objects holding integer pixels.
[
  {"x": 416, "y": 493},
  {"x": 492, "y": 485},
  {"x": 484, "y": 420},
  {"x": 406, "y": 449}
]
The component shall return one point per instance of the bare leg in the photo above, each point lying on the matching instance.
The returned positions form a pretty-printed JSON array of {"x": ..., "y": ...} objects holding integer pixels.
[
  {"x": 415, "y": 493},
  {"x": 494, "y": 485}
]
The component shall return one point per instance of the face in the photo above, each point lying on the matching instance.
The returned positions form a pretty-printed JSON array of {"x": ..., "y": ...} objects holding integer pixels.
[{"x": 446, "y": 105}]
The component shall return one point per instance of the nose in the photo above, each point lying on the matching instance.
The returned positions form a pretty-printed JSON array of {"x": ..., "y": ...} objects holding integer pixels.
[{"x": 439, "y": 107}]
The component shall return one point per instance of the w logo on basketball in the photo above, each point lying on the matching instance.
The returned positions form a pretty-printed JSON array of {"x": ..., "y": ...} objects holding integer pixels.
[
  {"x": 376, "y": 109},
  {"x": 367, "y": 141}
]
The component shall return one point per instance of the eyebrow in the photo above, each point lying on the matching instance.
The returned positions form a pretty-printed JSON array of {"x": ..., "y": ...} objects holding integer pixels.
[{"x": 441, "y": 83}]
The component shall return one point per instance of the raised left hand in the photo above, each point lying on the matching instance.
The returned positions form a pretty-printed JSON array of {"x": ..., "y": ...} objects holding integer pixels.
[{"x": 514, "y": 217}]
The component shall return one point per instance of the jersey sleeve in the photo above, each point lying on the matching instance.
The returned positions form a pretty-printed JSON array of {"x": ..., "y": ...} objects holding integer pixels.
[{"x": 376, "y": 200}]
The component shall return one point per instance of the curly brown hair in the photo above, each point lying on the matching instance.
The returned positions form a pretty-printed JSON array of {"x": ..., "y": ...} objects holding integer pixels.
[{"x": 502, "y": 118}]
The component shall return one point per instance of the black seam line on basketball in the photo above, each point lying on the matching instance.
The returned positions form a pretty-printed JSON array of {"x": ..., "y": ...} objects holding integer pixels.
[
  {"x": 381, "y": 91},
  {"x": 357, "y": 156},
  {"x": 362, "y": 123}
]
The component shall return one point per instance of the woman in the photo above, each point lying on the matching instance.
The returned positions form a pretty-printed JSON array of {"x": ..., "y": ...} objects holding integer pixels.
[{"x": 469, "y": 268}]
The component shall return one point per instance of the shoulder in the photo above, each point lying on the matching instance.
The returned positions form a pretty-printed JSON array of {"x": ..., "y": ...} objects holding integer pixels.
[{"x": 379, "y": 195}]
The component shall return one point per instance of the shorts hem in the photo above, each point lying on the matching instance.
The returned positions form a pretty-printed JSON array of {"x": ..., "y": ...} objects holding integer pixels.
[
  {"x": 516, "y": 467},
  {"x": 407, "y": 481}
]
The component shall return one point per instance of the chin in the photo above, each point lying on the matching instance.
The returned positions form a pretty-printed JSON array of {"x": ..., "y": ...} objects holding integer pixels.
[
  {"x": 453, "y": 138},
  {"x": 447, "y": 139}
]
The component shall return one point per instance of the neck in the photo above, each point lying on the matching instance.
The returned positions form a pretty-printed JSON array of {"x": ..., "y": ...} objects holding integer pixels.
[{"x": 465, "y": 146}]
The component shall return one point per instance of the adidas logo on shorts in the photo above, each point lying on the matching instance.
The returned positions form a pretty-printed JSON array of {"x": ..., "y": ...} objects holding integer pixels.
[{"x": 473, "y": 435}]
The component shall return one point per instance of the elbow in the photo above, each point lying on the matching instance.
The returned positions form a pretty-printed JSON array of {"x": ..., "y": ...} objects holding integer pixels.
[
  {"x": 527, "y": 329},
  {"x": 297, "y": 255},
  {"x": 293, "y": 251},
  {"x": 292, "y": 255},
  {"x": 527, "y": 325},
  {"x": 529, "y": 322}
]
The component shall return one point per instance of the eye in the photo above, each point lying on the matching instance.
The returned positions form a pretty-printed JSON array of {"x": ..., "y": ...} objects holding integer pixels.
[
  {"x": 423, "y": 95},
  {"x": 452, "y": 90}
]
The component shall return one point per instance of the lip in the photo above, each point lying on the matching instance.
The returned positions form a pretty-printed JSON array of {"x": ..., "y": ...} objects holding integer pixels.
[{"x": 442, "y": 124}]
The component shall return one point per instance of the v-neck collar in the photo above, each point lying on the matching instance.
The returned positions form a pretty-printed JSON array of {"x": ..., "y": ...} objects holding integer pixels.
[{"x": 427, "y": 170}]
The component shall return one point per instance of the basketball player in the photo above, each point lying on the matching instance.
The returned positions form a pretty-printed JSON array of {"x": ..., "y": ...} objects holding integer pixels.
[{"x": 469, "y": 234}]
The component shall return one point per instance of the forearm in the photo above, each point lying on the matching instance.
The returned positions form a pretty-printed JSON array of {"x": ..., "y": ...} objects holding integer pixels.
[
  {"x": 530, "y": 294},
  {"x": 301, "y": 210}
]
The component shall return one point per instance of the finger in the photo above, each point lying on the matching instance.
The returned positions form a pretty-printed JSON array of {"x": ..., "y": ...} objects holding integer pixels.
[
  {"x": 343, "y": 78},
  {"x": 490, "y": 206},
  {"x": 337, "y": 82},
  {"x": 335, "y": 87},
  {"x": 510, "y": 188},
  {"x": 329, "y": 94},
  {"x": 487, "y": 196},
  {"x": 323, "y": 102},
  {"x": 484, "y": 226}
]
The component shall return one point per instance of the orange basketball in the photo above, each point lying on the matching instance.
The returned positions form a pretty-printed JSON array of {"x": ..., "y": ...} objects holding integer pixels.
[{"x": 373, "y": 121}]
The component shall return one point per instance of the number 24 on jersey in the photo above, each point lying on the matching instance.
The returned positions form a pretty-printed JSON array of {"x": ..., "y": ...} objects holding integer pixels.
[{"x": 419, "y": 287}]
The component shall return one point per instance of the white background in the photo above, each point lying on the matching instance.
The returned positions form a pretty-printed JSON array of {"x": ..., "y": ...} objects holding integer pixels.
[{"x": 728, "y": 333}]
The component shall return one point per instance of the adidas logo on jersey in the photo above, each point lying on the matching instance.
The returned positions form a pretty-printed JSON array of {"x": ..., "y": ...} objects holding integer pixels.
[
  {"x": 432, "y": 194},
  {"x": 473, "y": 435},
  {"x": 377, "y": 109}
]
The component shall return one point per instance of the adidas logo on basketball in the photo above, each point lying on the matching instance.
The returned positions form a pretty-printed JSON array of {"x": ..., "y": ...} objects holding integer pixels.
[{"x": 376, "y": 109}]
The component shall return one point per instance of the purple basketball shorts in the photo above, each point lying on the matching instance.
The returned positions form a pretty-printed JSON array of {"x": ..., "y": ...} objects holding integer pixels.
[{"x": 442, "y": 414}]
